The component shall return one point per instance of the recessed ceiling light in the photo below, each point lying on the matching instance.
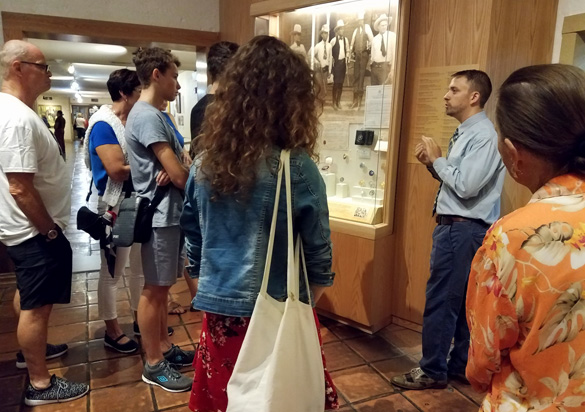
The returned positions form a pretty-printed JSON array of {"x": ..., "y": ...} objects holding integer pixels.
[
  {"x": 71, "y": 69},
  {"x": 110, "y": 48}
]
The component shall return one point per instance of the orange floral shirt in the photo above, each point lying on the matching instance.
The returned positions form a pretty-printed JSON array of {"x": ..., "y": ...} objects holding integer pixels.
[{"x": 526, "y": 305}]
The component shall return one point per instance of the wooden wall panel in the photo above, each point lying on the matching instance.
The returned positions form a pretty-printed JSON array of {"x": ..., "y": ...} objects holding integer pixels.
[
  {"x": 441, "y": 34},
  {"x": 499, "y": 36},
  {"x": 235, "y": 23}
]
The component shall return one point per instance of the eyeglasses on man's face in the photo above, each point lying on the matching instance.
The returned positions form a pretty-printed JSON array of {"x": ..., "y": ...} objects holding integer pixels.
[{"x": 45, "y": 67}]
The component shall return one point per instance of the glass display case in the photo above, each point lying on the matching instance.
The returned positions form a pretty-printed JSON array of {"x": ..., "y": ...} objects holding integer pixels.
[{"x": 351, "y": 47}]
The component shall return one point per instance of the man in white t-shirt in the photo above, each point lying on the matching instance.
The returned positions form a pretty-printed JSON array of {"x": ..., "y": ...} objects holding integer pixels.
[{"x": 35, "y": 195}]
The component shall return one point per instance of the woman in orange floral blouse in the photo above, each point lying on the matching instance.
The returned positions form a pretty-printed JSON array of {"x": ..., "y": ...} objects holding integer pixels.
[{"x": 526, "y": 294}]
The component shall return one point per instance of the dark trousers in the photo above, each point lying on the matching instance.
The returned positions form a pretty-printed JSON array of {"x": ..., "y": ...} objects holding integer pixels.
[
  {"x": 379, "y": 73},
  {"x": 444, "y": 319},
  {"x": 338, "y": 71},
  {"x": 359, "y": 71}
]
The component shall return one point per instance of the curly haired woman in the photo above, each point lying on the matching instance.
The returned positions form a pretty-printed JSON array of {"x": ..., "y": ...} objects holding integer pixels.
[{"x": 265, "y": 102}]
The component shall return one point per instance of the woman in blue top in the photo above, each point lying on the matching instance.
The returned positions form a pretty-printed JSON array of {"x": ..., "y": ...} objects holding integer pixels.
[
  {"x": 265, "y": 102},
  {"x": 111, "y": 171}
]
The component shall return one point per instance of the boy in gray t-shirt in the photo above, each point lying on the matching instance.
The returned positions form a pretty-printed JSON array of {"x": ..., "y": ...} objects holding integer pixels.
[{"x": 154, "y": 156}]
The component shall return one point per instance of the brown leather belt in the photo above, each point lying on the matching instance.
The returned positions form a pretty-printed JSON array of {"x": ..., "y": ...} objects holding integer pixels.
[{"x": 449, "y": 220}]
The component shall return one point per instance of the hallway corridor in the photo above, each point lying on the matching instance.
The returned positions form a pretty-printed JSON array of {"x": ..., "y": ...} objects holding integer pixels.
[{"x": 360, "y": 364}]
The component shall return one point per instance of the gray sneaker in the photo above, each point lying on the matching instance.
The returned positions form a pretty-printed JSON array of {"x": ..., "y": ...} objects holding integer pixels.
[
  {"x": 178, "y": 357},
  {"x": 163, "y": 375},
  {"x": 416, "y": 379},
  {"x": 59, "y": 390}
]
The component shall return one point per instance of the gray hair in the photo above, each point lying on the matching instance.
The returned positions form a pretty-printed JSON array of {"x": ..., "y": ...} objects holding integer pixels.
[{"x": 12, "y": 50}]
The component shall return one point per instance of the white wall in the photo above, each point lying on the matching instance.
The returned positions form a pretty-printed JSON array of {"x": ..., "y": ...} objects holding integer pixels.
[
  {"x": 566, "y": 8},
  {"x": 188, "y": 100},
  {"x": 182, "y": 14}
]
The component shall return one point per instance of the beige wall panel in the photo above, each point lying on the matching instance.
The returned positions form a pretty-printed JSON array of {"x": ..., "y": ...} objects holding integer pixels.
[{"x": 234, "y": 20}]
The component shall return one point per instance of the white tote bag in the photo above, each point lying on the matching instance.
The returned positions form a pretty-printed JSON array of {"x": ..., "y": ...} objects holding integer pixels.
[{"x": 280, "y": 368}]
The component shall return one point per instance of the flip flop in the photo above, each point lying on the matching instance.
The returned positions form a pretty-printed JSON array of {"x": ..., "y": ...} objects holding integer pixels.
[{"x": 175, "y": 308}]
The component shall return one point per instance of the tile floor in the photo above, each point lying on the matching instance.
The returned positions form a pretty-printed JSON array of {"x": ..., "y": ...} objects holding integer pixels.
[{"x": 361, "y": 364}]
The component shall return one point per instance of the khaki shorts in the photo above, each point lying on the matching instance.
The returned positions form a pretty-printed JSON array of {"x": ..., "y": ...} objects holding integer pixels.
[{"x": 163, "y": 256}]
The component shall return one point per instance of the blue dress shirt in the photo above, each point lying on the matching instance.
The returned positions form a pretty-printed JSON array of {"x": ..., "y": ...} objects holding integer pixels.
[{"x": 473, "y": 176}]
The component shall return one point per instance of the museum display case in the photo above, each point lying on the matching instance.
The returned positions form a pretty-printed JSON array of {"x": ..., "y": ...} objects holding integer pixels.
[{"x": 351, "y": 47}]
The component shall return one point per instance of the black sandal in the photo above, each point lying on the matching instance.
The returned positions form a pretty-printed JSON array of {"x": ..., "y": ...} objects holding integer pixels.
[{"x": 129, "y": 347}]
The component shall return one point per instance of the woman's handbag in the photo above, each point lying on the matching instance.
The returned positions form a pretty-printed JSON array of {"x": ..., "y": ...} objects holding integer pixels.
[{"x": 280, "y": 366}]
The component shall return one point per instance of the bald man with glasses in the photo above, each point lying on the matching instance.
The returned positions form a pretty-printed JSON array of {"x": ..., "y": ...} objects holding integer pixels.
[{"x": 36, "y": 197}]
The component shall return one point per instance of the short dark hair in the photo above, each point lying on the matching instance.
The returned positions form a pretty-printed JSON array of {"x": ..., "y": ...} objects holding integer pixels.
[
  {"x": 124, "y": 81},
  {"x": 150, "y": 58},
  {"x": 479, "y": 82},
  {"x": 60, "y": 112},
  {"x": 217, "y": 57},
  {"x": 542, "y": 108}
]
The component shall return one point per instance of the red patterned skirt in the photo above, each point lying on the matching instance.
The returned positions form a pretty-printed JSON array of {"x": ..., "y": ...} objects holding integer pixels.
[{"x": 219, "y": 345}]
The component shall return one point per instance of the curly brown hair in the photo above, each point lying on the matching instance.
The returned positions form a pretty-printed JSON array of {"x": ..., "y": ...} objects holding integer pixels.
[{"x": 265, "y": 98}]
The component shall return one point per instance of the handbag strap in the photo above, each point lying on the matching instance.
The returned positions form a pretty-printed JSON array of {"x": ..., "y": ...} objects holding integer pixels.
[{"x": 295, "y": 254}]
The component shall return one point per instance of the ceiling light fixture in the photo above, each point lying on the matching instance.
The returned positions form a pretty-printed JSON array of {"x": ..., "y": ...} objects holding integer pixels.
[
  {"x": 110, "y": 48},
  {"x": 74, "y": 85},
  {"x": 71, "y": 69}
]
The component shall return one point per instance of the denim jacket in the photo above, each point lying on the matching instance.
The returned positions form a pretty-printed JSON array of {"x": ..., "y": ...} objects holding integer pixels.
[{"x": 227, "y": 239}]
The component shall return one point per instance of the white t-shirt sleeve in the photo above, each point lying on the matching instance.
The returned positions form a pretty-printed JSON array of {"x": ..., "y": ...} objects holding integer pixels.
[{"x": 17, "y": 150}]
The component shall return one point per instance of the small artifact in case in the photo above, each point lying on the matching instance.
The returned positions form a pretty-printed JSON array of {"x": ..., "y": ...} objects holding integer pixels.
[{"x": 364, "y": 137}]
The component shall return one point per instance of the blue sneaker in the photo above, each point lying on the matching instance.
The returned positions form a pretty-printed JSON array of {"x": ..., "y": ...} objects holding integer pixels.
[{"x": 168, "y": 378}]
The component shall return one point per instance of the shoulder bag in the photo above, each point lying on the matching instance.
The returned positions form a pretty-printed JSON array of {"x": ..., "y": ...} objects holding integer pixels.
[{"x": 279, "y": 367}]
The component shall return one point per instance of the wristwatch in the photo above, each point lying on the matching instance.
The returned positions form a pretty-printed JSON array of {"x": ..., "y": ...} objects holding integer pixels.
[{"x": 52, "y": 234}]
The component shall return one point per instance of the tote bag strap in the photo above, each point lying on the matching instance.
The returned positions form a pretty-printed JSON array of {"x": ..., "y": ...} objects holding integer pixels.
[{"x": 293, "y": 258}]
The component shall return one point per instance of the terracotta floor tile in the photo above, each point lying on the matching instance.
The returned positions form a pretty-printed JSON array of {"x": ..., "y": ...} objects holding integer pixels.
[
  {"x": 78, "y": 405},
  {"x": 8, "y": 324},
  {"x": 468, "y": 391},
  {"x": 179, "y": 409},
  {"x": 8, "y": 342},
  {"x": 180, "y": 337},
  {"x": 12, "y": 389},
  {"x": 194, "y": 330},
  {"x": 112, "y": 372},
  {"x": 360, "y": 383},
  {"x": 373, "y": 348},
  {"x": 345, "y": 332},
  {"x": 93, "y": 275},
  {"x": 93, "y": 312},
  {"x": 74, "y": 332},
  {"x": 135, "y": 397},
  {"x": 346, "y": 409},
  {"x": 78, "y": 286},
  {"x": 8, "y": 365},
  {"x": 191, "y": 317},
  {"x": 179, "y": 287},
  {"x": 339, "y": 356},
  {"x": 92, "y": 297},
  {"x": 77, "y": 299},
  {"x": 184, "y": 298},
  {"x": 68, "y": 315},
  {"x": 395, "y": 366},
  {"x": 92, "y": 284},
  {"x": 166, "y": 399},
  {"x": 174, "y": 320},
  {"x": 440, "y": 400},
  {"x": 392, "y": 403},
  {"x": 409, "y": 341},
  {"x": 97, "y": 351},
  {"x": 76, "y": 354},
  {"x": 75, "y": 373},
  {"x": 326, "y": 335}
]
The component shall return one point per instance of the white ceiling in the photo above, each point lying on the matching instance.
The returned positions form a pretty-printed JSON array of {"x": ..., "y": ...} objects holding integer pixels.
[{"x": 93, "y": 64}]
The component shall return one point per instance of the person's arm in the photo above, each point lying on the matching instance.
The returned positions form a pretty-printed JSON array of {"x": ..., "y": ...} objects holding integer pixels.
[
  {"x": 29, "y": 200},
  {"x": 170, "y": 163},
  {"x": 190, "y": 226},
  {"x": 491, "y": 316},
  {"x": 478, "y": 166},
  {"x": 113, "y": 160},
  {"x": 312, "y": 220}
]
